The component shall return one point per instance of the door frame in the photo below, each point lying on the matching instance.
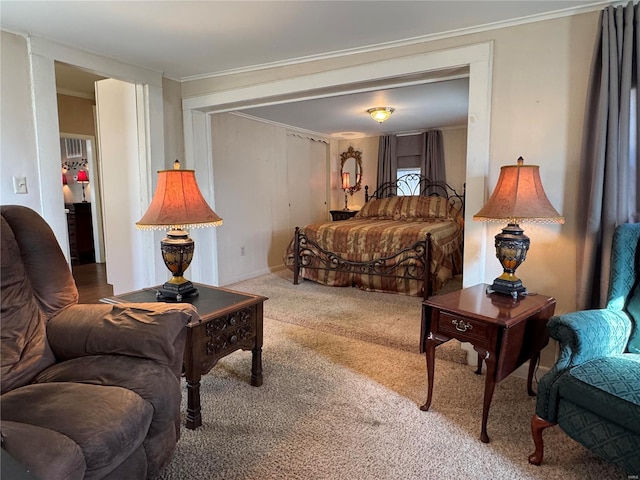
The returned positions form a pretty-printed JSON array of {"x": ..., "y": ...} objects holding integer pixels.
[
  {"x": 477, "y": 58},
  {"x": 42, "y": 56}
]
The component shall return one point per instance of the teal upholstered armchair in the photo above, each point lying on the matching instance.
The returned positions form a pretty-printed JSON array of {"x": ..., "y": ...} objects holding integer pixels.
[{"x": 593, "y": 390}]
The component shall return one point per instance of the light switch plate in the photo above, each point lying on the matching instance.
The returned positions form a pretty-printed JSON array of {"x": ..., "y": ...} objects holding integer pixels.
[{"x": 19, "y": 184}]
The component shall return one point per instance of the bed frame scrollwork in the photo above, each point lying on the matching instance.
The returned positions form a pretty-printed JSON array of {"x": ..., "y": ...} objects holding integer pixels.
[{"x": 408, "y": 263}]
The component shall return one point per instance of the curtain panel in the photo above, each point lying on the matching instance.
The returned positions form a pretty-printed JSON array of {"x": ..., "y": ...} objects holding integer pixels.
[
  {"x": 424, "y": 151},
  {"x": 434, "y": 166},
  {"x": 387, "y": 159},
  {"x": 609, "y": 159}
]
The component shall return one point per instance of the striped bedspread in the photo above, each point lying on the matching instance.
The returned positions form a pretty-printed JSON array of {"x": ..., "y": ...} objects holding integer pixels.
[{"x": 374, "y": 238}]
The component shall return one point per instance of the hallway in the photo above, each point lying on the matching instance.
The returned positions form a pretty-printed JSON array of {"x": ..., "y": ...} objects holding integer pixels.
[{"x": 91, "y": 280}]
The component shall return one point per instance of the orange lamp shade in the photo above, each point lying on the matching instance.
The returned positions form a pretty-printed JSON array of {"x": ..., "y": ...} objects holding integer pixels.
[
  {"x": 178, "y": 202},
  {"x": 519, "y": 198}
]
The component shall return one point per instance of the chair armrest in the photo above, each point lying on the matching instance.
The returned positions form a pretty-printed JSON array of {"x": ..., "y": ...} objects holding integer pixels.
[
  {"x": 582, "y": 336},
  {"x": 589, "y": 334},
  {"x": 147, "y": 330}
]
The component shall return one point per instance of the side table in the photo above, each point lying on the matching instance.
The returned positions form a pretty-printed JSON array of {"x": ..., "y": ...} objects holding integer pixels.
[
  {"x": 338, "y": 215},
  {"x": 229, "y": 321},
  {"x": 505, "y": 332}
]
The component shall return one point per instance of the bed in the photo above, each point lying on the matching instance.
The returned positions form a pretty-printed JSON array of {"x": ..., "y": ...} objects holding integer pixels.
[{"x": 403, "y": 226}]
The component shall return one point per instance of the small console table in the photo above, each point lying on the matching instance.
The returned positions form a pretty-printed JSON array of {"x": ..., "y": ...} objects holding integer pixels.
[
  {"x": 229, "y": 321},
  {"x": 505, "y": 332},
  {"x": 337, "y": 215}
]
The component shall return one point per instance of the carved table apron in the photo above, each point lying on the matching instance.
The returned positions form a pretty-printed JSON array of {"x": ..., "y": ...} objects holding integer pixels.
[{"x": 229, "y": 321}]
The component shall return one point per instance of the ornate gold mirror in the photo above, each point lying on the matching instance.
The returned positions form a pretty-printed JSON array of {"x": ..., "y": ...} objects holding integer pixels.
[{"x": 351, "y": 170}]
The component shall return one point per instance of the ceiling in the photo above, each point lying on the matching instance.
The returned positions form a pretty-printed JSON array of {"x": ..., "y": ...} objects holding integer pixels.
[{"x": 186, "y": 40}]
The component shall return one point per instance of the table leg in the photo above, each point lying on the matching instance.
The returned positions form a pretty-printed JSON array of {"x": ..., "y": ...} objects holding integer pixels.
[
  {"x": 256, "y": 367},
  {"x": 194, "y": 417},
  {"x": 533, "y": 362},
  {"x": 479, "y": 369},
  {"x": 430, "y": 350},
  {"x": 489, "y": 387}
]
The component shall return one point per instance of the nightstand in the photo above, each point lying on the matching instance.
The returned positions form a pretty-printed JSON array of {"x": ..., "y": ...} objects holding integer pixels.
[
  {"x": 505, "y": 333},
  {"x": 338, "y": 215}
]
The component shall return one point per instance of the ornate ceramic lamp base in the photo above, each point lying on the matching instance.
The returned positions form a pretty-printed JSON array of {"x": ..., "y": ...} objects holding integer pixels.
[
  {"x": 177, "y": 253},
  {"x": 511, "y": 249}
]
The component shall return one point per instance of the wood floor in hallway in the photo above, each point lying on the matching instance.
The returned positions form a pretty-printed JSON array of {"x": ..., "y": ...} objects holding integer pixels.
[{"x": 91, "y": 280}]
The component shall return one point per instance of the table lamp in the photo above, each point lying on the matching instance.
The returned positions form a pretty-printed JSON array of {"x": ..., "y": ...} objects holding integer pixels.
[
  {"x": 517, "y": 198},
  {"x": 82, "y": 179},
  {"x": 346, "y": 186},
  {"x": 177, "y": 204}
]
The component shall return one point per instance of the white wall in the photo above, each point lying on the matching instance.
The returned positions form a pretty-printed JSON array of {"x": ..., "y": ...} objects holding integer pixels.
[
  {"x": 454, "y": 140},
  {"x": 541, "y": 73},
  {"x": 18, "y": 155},
  {"x": 173, "y": 132},
  {"x": 266, "y": 182}
]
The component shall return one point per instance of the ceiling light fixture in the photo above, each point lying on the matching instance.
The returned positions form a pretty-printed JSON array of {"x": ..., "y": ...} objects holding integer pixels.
[{"x": 380, "y": 114}]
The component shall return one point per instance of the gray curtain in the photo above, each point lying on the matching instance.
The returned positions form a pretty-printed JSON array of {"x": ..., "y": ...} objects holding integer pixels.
[
  {"x": 433, "y": 162},
  {"x": 608, "y": 168},
  {"x": 387, "y": 159}
]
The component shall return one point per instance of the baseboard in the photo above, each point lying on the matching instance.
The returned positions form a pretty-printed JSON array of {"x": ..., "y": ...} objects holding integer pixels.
[{"x": 254, "y": 274}]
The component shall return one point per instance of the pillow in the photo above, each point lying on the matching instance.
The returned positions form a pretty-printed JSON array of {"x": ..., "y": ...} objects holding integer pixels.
[
  {"x": 381, "y": 208},
  {"x": 421, "y": 207},
  {"x": 633, "y": 307}
]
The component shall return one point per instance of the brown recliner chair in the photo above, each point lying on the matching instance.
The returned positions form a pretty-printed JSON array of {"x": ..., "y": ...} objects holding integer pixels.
[{"x": 88, "y": 391}]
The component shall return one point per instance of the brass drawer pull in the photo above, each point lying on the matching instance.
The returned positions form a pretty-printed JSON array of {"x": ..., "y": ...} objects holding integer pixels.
[{"x": 461, "y": 325}]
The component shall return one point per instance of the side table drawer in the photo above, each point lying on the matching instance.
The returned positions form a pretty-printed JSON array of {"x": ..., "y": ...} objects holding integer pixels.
[{"x": 464, "y": 329}]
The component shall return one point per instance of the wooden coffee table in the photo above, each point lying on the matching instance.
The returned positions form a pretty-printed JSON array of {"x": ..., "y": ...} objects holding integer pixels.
[
  {"x": 229, "y": 321},
  {"x": 505, "y": 333}
]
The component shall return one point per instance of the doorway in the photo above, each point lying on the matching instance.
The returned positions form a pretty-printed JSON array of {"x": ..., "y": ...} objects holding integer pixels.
[
  {"x": 81, "y": 190},
  {"x": 148, "y": 133},
  {"x": 476, "y": 58},
  {"x": 80, "y": 176},
  {"x": 96, "y": 197}
]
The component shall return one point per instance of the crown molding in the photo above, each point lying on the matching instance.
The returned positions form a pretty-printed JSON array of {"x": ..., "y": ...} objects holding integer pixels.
[
  {"x": 310, "y": 133},
  {"x": 566, "y": 12}
]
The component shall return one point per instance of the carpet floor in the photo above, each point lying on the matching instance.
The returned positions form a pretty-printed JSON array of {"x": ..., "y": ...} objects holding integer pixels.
[
  {"x": 382, "y": 318},
  {"x": 336, "y": 406}
]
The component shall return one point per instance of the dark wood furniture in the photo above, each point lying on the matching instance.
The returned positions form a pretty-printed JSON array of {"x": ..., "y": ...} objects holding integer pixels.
[
  {"x": 229, "y": 321},
  {"x": 80, "y": 227},
  {"x": 338, "y": 215},
  {"x": 505, "y": 333}
]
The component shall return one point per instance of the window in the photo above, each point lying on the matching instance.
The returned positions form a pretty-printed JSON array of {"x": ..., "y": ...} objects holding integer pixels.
[
  {"x": 411, "y": 184},
  {"x": 73, "y": 147}
]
